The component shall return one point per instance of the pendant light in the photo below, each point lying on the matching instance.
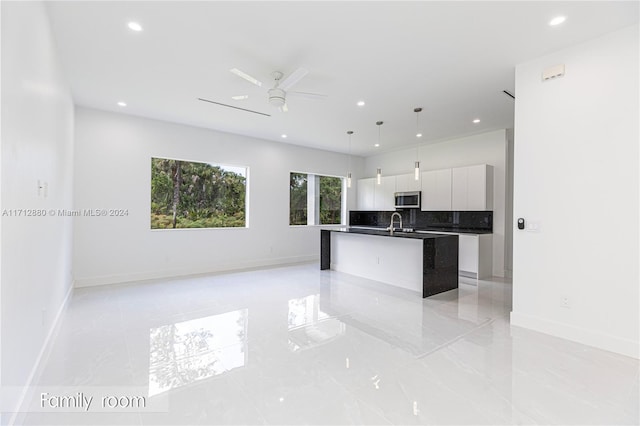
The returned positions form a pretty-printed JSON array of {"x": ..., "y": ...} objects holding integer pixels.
[
  {"x": 418, "y": 135},
  {"x": 350, "y": 132},
  {"x": 379, "y": 171}
]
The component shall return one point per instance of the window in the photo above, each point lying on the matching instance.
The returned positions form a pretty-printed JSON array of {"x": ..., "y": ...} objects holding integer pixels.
[
  {"x": 330, "y": 200},
  {"x": 186, "y": 194},
  {"x": 298, "y": 199},
  {"x": 315, "y": 199}
]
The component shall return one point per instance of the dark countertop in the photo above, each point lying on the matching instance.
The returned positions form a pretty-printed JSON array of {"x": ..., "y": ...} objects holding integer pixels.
[
  {"x": 384, "y": 233},
  {"x": 456, "y": 230},
  {"x": 433, "y": 229}
]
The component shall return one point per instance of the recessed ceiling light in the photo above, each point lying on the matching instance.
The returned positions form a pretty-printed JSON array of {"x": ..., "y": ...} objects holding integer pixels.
[
  {"x": 476, "y": 121},
  {"x": 122, "y": 104},
  {"x": 557, "y": 20},
  {"x": 376, "y": 145},
  {"x": 360, "y": 103},
  {"x": 284, "y": 136},
  {"x": 240, "y": 98},
  {"x": 418, "y": 135},
  {"x": 134, "y": 26}
]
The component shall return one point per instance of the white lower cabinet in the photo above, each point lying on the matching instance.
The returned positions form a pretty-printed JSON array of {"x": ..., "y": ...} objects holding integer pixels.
[{"x": 475, "y": 255}]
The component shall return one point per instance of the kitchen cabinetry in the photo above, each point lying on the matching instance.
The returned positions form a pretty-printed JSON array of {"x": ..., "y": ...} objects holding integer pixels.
[
  {"x": 384, "y": 198},
  {"x": 366, "y": 193},
  {"x": 458, "y": 189},
  {"x": 407, "y": 183},
  {"x": 372, "y": 196},
  {"x": 436, "y": 190},
  {"x": 475, "y": 255},
  {"x": 472, "y": 188}
]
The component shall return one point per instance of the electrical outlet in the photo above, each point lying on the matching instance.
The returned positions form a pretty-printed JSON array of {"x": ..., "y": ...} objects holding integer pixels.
[{"x": 565, "y": 302}]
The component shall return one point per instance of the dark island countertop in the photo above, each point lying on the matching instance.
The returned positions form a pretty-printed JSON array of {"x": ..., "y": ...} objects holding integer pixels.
[
  {"x": 384, "y": 233},
  {"x": 430, "y": 229}
]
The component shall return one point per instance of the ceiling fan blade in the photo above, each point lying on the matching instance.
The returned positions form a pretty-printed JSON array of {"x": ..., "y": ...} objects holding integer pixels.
[
  {"x": 293, "y": 78},
  {"x": 234, "y": 107},
  {"x": 308, "y": 95},
  {"x": 246, "y": 76}
]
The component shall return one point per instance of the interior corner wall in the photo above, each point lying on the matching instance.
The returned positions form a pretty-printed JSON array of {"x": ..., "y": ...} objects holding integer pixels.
[
  {"x": 485, "y": 148},
  {"x": 37, "y": 164},
  {"x": 576, "y": 180},
  {"x": 113, "y": 171}
]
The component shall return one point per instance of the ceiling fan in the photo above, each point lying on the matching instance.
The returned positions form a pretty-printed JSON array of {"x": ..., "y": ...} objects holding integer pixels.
[{"x": 277, "y": 95}]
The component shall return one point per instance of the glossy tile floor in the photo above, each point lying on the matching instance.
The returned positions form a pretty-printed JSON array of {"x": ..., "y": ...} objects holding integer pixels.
[{"x": 296, "y": 345}]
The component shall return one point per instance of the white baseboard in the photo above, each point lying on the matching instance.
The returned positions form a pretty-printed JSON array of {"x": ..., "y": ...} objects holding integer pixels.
[
  {"x": 38, "y": 366},
  {"x": 576, "y": 334},
  {"x": 185, "y": 272}
]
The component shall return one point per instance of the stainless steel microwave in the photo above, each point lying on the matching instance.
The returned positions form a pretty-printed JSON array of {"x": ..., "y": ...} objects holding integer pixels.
[{"x": 407, "y": 200}]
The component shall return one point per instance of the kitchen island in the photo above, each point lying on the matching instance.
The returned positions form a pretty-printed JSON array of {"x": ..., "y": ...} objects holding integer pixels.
[{"x": 422, "y": 262}]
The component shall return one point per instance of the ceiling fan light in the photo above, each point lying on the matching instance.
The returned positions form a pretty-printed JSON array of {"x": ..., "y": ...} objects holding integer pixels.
[{"x": 277, "y": 97}]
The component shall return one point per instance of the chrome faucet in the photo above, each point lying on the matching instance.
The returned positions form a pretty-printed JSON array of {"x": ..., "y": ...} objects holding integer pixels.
[{"x": 391, "y": 225}]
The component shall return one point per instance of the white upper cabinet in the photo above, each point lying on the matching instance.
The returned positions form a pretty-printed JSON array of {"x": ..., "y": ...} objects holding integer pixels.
[
  {"x": 472, "y": 188},
  {"x": 366, "y": 193},
  {"x": 384, "y": 194},
  {"x": 436, "y": 190},
  {"x": 407, "y": 183},
  {"x": 459, "y": 189},
  {"x": 372, "y": 196}
]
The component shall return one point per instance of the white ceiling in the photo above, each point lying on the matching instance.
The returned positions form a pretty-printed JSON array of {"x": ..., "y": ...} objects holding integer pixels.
[{"x": 453, "y": 59}]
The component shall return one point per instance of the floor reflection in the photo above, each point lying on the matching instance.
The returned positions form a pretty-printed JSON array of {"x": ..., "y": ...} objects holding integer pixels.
[
  {"x": 309, "y": 326},
  {"x": 329, "y": 348},
  {"x": 186, "y": 352}
]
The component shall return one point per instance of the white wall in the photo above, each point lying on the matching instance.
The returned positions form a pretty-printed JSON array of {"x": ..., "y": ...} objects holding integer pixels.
[
  {"x": 113, "y": 170},
  {"x": 576, "y": 175},
  {"x": 486, "y": 148},
  {"x": 37, "y": 145}
]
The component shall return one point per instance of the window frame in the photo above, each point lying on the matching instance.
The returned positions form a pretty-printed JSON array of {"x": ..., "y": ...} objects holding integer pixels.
[
  {"x": 313, "y": 200},
  {"x": 211, "y": 163}
]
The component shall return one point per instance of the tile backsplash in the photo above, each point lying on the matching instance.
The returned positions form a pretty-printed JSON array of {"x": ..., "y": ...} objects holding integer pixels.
[{"x": 414, "y": 218}]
